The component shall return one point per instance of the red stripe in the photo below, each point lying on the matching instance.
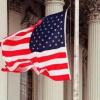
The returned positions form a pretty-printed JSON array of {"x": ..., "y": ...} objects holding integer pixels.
[
  {"x": 49, "y": 57},
  {"x": 14, "y": 43},
  {"x": 24, "y": 33},
  {"x": 57, "y": 78},
  {"x": 61, "y": 77},
  {"x": 55, "y": 67},
  {"x": 18, "y": 33},
  {"x": 7, "y": 70},
  {"x": 40, "y": 59},
  {"x": 24, "y": 65},
  {"x": 19, "y": 67},
  {"x": 13, "y": 62},
  {"x": 30, "y": 29},
  {"x": 16, "y": 52}
]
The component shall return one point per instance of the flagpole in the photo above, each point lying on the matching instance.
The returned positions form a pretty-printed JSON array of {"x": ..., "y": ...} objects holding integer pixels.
[{"x": 76, "y": 53}]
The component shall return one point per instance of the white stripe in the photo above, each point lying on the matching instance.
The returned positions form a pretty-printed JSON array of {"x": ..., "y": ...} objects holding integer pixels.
[
  {"x": 16, "y": 38},
  {"x": 36, "y": 70},
  {"x": 16, "y": 65},
  {"x": 36, "y": 54},
  {"x": 59, "y": 72},
  {"x": 25, "y": 30},
  {"x": 17, "y": 47},
  {"x": 51, "y": 62},
  {"x": 27, "y": 68}
]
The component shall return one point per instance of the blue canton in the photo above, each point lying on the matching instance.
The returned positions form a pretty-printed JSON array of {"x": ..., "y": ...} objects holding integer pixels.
[{"x": 50, "y": 34}]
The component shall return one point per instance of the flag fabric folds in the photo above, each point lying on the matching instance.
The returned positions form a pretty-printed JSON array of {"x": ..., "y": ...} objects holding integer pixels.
[{"x": 41, "y": 47}]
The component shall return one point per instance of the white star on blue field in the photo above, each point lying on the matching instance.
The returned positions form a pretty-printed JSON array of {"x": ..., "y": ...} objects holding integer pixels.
[{"x": 50, "y": 34}]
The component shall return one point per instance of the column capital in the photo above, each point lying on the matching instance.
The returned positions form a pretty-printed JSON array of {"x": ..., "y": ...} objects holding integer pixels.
[
  {"x": 54, "y": 1},
  {"x": 53, "y": 6},
  {"x": 94, "y": 9}
]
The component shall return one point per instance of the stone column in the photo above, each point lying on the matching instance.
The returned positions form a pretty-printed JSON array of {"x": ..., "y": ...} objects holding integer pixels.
[
  {"x": 13, "y": 78},
  {"x": 3, "y": 33},
  {"x": 94, "y": 54},
  {"x": 53, "y": 6},
  {"x": 51, "y": 90}
]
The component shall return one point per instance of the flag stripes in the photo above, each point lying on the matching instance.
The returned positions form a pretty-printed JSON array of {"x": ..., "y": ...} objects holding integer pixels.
[
  {"x": 13, "y": 43},
  {"x": 52, "y": 62},
  {"x": 16, "y": 52}
]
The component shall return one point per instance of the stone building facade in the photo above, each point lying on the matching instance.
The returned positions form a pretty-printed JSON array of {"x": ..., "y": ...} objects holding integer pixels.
[{"x": 18, "y": 14}]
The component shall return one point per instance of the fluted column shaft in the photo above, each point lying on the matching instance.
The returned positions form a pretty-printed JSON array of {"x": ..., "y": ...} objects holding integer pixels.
[
  {"x": 3, "y": 33},
  {"x": 52, "y": 90},
  {"x": 94, "y": 57},
  {"x": 53, "y": 6}
]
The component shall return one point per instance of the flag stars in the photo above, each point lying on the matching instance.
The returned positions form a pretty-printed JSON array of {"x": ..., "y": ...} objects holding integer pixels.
[
  {"x": 36, "y": 30},
  {"x": 47, "y": 19},
  {"x": 51, "y": 18},
  {"x": 45, "y": 29},
  {"x": 49, "y": 38},
  {"x": 48, "y": 31},
  {"x": 46, "y": 42},
  {"x": 49, "y": 25},
  {"x": 52, "y": 33},
  {"x": 47, "y": 22},
  {"x": 55, "y": 30},
  {"x": 55, "y": 24},
  {"x": 34, "y": 37},
  {"x": 40, "y": 29},
  {"x": 42, "y": 33},
  {"x": 45, "y": 36},
  {"x": 58, "y": 19},
  {"x": 55, "y": 44},
  {"x": 61, "y": 36},
  {"x": 48, "y": 35},
  {"x": 42, "y": 40},
  {"x": 56, "y": 16},
  {"x": 39, "y": 37},
  {"x": 43, "y": 46},
  {"x": 58, "y": 26},
  {"x": 58, "y": 40},
  {"x": 53, "y": 41},
  {"x": 32, "y": 48},
  {"x": 62, "y": 15},
  {"x": 34, "y": 45},
  {"x": 37, "y": 33},
  {"x": 62, "y": 42},
  {"x": 32, "y": 34},
  {"x": 55, "y": 37},
  {"x": 50, "y": 45},
  {"x": 61, "y": 21},
  {"x": 52, "y": 21},
  {"x": 43, "y": 25},
  {"x": 40, "y": 44},
  {"x": 58, "y": 33},
  {"x": 36, "y": 41},
  {"x": 43, "y": 22}
]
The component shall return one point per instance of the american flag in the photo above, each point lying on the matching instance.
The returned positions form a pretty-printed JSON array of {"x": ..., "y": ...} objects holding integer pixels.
[{"x": 41, "y": 47}]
